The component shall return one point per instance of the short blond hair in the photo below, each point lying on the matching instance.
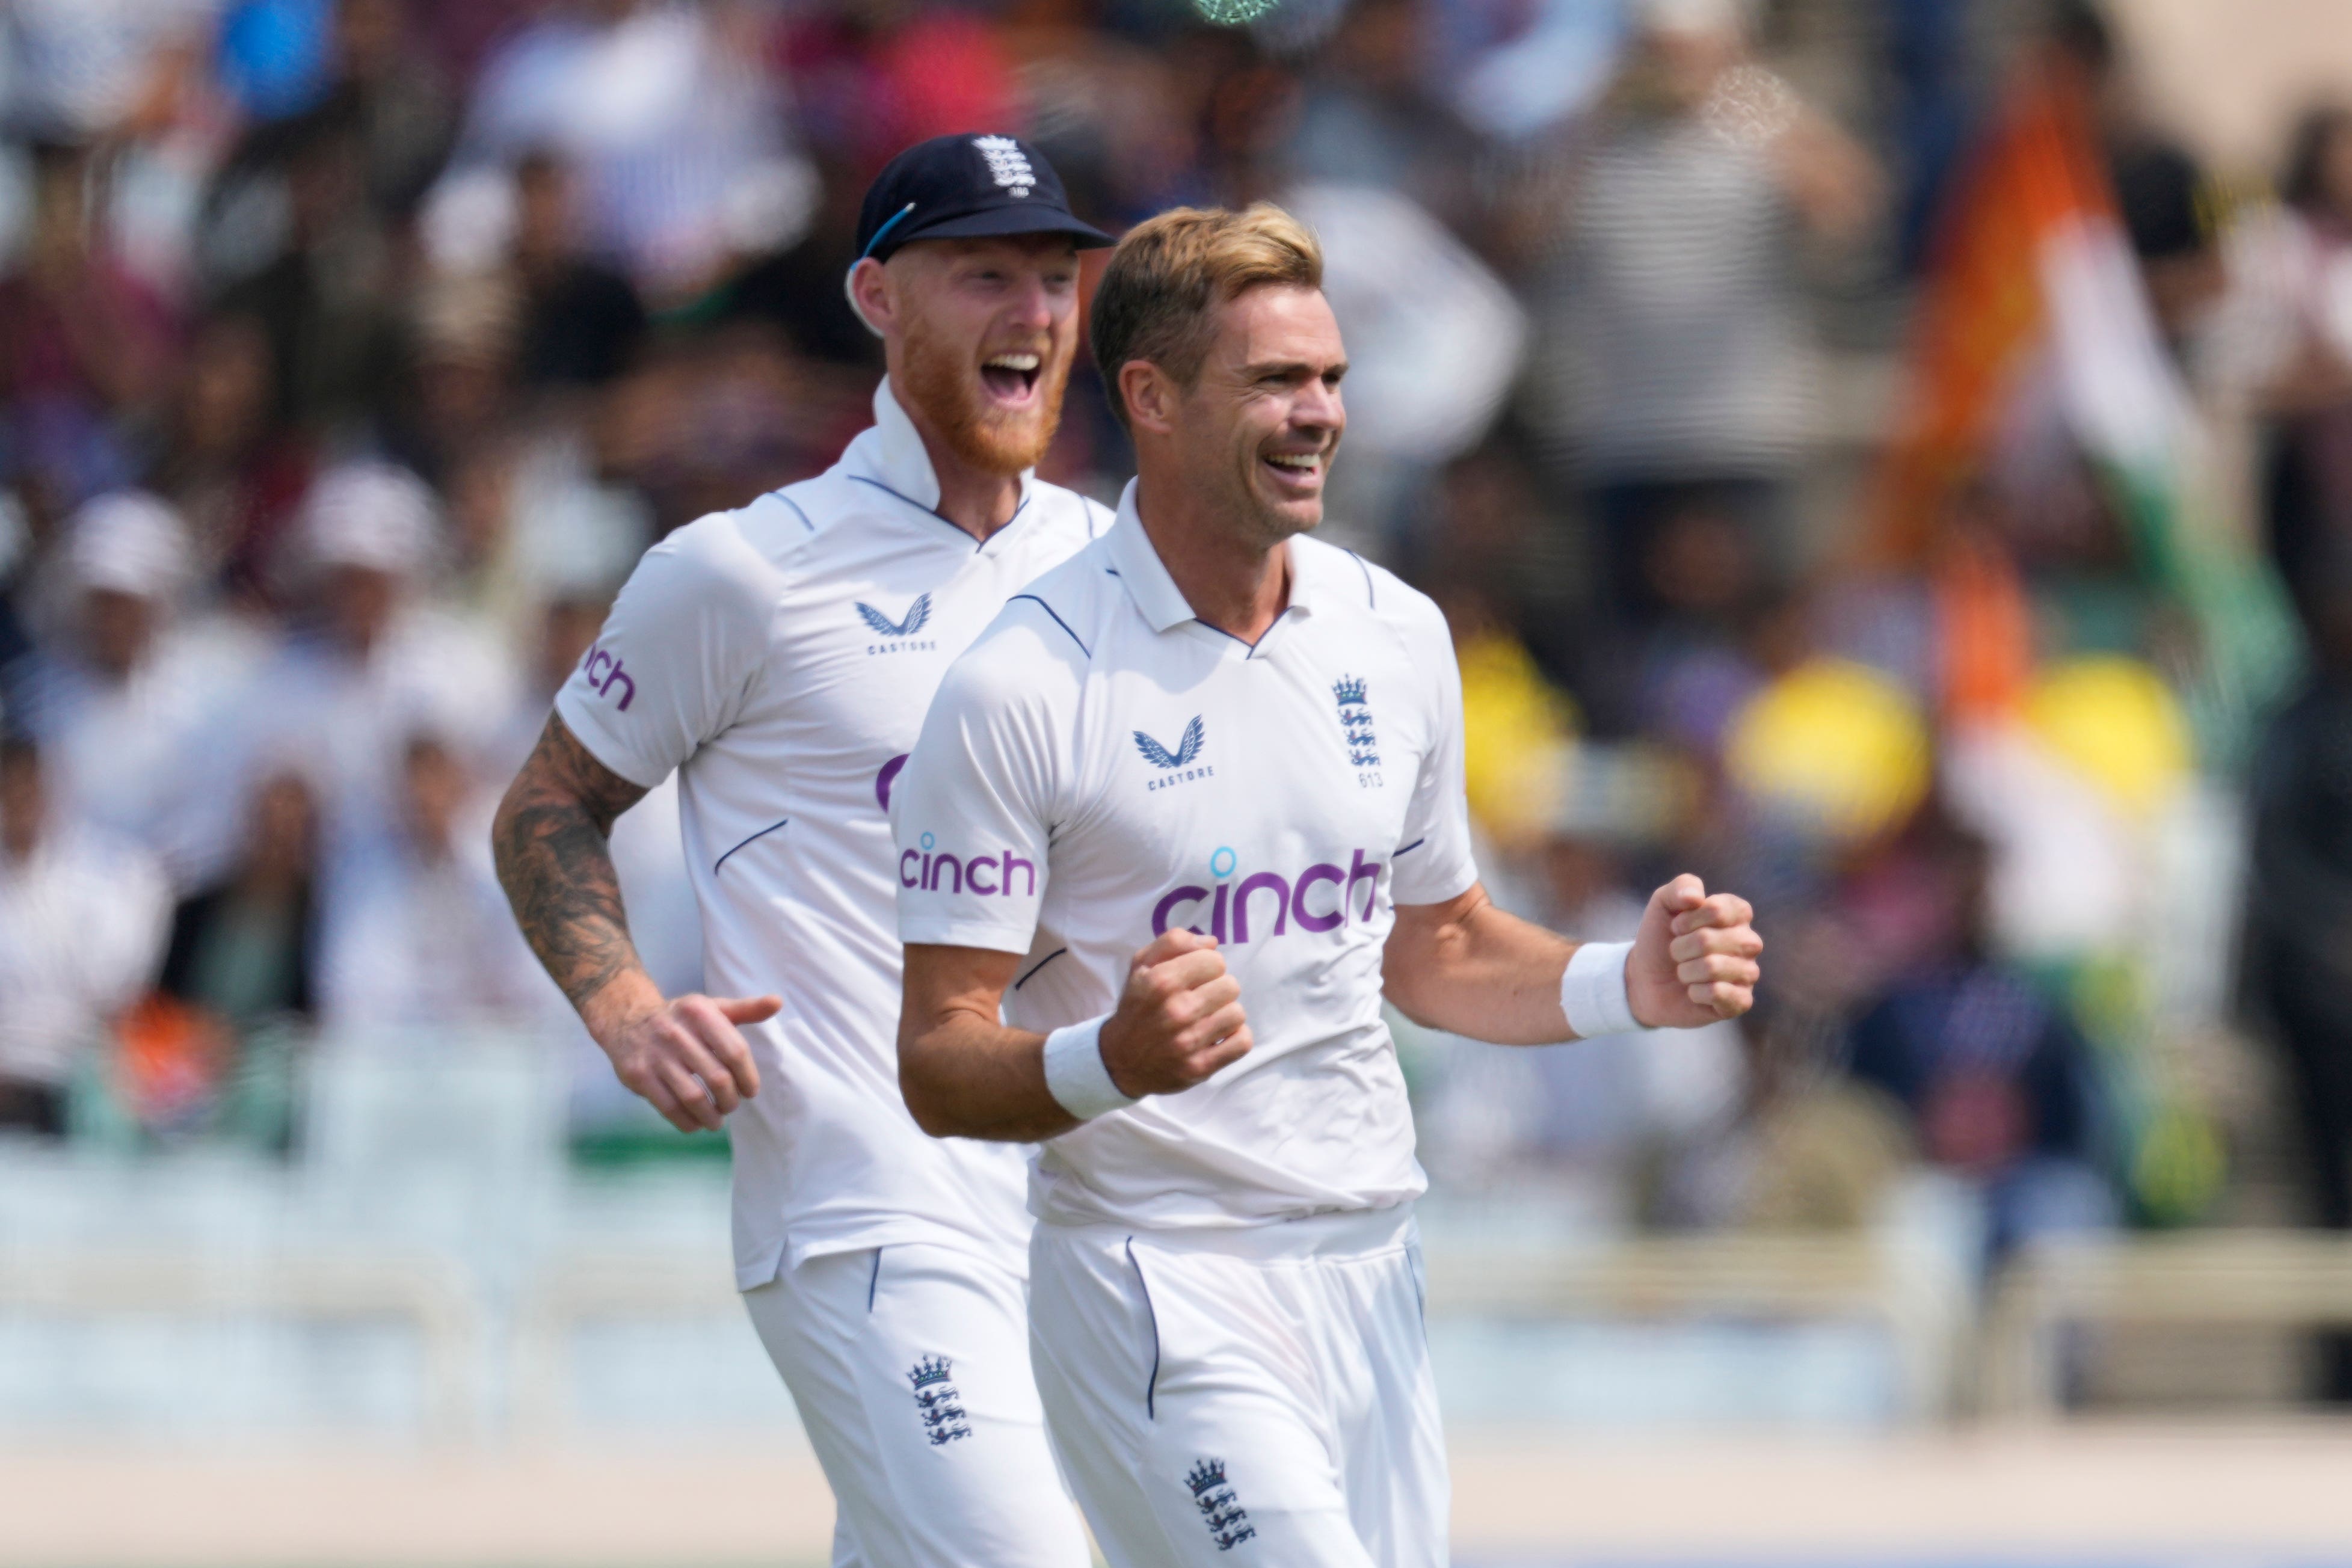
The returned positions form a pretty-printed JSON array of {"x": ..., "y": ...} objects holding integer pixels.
[{"x": 1154, "y": 298}]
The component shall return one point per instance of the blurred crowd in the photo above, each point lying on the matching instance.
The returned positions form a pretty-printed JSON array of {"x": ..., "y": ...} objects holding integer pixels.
[{"x": 351, "y": 350}]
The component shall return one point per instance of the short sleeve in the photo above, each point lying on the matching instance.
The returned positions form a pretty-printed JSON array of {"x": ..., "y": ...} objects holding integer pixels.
[
  {"x": 682, "y": 647},
  {"x": 1433, "y": 861},
  {"x": 975, "y": 805}
]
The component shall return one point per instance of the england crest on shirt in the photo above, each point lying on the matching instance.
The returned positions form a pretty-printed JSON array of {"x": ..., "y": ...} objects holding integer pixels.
[{"x": 1356, "y": 721}]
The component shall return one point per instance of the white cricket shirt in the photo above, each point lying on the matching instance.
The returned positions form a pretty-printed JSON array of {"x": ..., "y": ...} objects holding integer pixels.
[
  {"x": 1101, "y": 766},
  {"x": 780, "y": 657}
]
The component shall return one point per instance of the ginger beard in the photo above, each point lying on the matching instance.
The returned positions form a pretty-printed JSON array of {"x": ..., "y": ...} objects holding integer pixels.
[{"x": 946, "y": 384}]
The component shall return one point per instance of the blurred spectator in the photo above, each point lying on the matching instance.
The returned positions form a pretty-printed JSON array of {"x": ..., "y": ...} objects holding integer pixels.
[
  {"x": 873, "y": 78},
  {"x": 81, "y": 925},
  {"x": 798, "y": 289},
  {"x": 465, "y": 328},
  {"x": 2299, "y": 931},
  {"x": 129, "y": 690},
  {"x": 1996, "y": 1080},
  {"x": 234, "y": 474},
  {"x": 2159, "y": 187},
  {"x": 80, "y": 68},
  {"x": 85, "y": 348},
  {"x": 241, "y": 947},
  {"x": 678, "y": 140},
  {"x": 421, "y": 934},
  {"x": 1369, "y": 117},
  {"x": 349, "y": 71},
  {"x": 213, "y": 1050},
  {"x": 534, "y": 523},
  {"x": 306, "y": 257},
  {"x": 1530, "y": 72},
  {"x": 405, "y": 111},
  {"x": 583, "y": 323},
  {"x": 1928, "y": 59},
  {"x": 1674, "y": 366},
  {"x": 1434, "y": 343},
  {"x": 2284, "y": 340},
  {"x": 377, "y": 660}
]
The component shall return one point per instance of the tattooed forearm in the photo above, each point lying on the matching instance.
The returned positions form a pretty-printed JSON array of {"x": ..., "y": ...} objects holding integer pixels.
[{"x": 554, "y": 860}]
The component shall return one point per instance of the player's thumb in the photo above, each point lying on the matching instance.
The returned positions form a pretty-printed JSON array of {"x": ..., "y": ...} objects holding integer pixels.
[
  {"x": 1683, "y": 895},
  {"x": 749, "y": 1010}
]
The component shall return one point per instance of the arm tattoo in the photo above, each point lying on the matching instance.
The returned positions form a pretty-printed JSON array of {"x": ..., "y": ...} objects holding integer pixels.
[{"x": 556, "y": 867}]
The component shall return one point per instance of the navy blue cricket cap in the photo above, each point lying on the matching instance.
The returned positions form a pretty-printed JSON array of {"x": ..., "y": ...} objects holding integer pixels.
[{"x": 967, "y": 187}]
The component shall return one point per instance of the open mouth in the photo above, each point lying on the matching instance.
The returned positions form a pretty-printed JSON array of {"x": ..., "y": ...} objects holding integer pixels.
[
  {"x": 1301, "y": 472},
  {"x": 1011, "y": 378}
]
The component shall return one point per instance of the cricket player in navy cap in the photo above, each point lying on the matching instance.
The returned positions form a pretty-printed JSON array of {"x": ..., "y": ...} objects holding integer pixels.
[{"x": 779, "y": 658}]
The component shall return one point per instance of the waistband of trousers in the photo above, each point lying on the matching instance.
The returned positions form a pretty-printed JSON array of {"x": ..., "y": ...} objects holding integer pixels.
[{"x": 1345, "y": 1233}]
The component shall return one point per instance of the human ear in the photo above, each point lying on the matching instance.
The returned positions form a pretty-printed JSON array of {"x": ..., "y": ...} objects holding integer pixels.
[
  {"x": 869, "y": 296},
  {"x": 1149, "y": 396}
]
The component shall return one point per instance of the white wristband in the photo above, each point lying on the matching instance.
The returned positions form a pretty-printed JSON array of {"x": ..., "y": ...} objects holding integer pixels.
[
  {"x": 1593, "y": 991},
  {"x": 1075, "y": 1075}
]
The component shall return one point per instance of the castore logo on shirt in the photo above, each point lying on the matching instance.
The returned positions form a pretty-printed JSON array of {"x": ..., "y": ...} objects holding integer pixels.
[
  {"x": 1179, "y": 761},
  {"x": 918, "y": 616}
]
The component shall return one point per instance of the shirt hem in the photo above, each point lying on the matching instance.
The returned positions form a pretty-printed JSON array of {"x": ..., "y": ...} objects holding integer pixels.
[
  {"x": 1340, "y": 1232},
  {"x": 1467, "y": 880},
  {"x": 772, "y": 1262},
  {"x": 951, "y": 933}
]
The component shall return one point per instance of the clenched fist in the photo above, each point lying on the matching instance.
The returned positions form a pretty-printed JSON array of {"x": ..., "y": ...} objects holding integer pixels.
[
  {"x": 1178, "y": 1021},
  {"x": 1693, "y": 960}
]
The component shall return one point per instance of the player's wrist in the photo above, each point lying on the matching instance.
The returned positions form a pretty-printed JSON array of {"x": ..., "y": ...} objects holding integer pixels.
[
  {"x": 618, "y": 1006},
  {"x": 1593, "y": 993},
  {"x": 1077, "y": 1076}
]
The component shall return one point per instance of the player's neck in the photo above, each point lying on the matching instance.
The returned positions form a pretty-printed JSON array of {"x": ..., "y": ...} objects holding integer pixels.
[
  {"x": 980, "y": 501},
  {"x": 1233, "y": 582}
]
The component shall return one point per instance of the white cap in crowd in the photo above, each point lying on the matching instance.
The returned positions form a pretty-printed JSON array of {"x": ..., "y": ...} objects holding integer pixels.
[
  {"x": 129, "y": 541},
  {"x": 378, "y": 515}
]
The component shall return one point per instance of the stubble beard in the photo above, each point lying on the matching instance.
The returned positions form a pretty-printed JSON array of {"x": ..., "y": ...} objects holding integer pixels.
[
  {"x": 948, "y": 392},
  {"x": 1261, "y": 521}
]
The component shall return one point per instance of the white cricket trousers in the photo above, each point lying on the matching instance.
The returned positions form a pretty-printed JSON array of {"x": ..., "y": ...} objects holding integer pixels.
[
  {"x": 910, "y": 1367},
  {"x": 1259, "y": 1395}
]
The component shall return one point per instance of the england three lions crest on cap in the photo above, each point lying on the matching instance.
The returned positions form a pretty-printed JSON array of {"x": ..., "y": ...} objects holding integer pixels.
[{"x": 1007, "y": 164}]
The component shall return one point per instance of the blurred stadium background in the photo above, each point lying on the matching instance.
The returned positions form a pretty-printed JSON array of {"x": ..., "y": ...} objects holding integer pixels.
[{"x": 1893, "y": 456}]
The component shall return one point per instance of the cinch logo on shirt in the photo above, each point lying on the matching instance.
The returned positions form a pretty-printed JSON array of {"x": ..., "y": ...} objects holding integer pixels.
[
  {"x": 922, "y": 868},
  {"x": 918, "y": 614},
  {"x": 1267, "y": 893},
  {"x": 604, "y": 671}
]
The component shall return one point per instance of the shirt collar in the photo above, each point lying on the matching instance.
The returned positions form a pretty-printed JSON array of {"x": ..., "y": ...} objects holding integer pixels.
[
  {"x": 1163, "y": 604},
  {"x": 891, "y": 454}
]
